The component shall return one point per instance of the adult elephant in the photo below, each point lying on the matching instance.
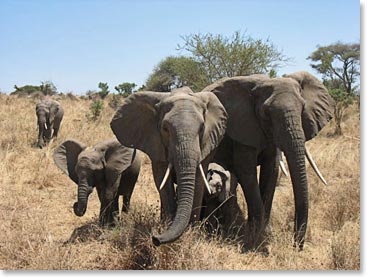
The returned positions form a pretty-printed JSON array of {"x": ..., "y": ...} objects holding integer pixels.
[
  {"x": 179, "y": 131},
  {"x": 49, "y": 115},
  {"x": 265, "y": 114},
  {"x": 109, "y": 166}
]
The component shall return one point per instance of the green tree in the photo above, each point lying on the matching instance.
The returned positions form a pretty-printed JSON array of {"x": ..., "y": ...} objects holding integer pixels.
[
  {"x": 339, "y": 65},
  {"x": 125, "y": 89},
  {"x": 342, "y": 101},
  {"x": 103, "y": 90},
  {"x": 221, "y": 56},
  {"x": 25, "y": 90},
  {"x": 338, "y": 61},
  {"x": 46, "y": 87},
  {"x": 173, "y": 72}
]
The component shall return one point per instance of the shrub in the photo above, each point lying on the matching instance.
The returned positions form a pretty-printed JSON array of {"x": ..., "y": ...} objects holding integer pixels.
[{"x": 95, "y": 109}]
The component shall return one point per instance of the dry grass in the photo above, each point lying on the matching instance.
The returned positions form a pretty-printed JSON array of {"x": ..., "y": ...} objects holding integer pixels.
[{"x": 38, "y": 229}]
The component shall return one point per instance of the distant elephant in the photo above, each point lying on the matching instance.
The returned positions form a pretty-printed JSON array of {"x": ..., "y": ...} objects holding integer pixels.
[
  {"x": 49, "y": 115},
  {"x": 265, "y": 114},
  {"x": 110, "y": 167},
  {"x": 179, "y": 131},
  {"x": 221, "y": 211}
]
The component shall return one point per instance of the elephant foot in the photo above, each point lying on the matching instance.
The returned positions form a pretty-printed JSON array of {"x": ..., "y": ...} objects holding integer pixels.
[{"x": 109, "y": 220}]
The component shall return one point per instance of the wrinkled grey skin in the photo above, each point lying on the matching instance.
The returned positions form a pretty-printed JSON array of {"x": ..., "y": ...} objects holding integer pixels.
[
  {"x": 49, "y": 115},
  {"x": 182, "y": 128},
  {"x": 265, "y": 113},
  {"x": 220, "y": 208},
  {"x": 110, "y": 167}
]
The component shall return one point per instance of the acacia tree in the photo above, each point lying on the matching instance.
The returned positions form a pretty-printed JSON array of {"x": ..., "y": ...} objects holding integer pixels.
[
  {"x": 221, "y": 56},
  {"x": 339, "y": 65},
  {"x": 104, "y": 91},
  {"x": 174, "y": 72},
  {"x": 338, "y": 61},
  {"x": 125, "y": 89}
]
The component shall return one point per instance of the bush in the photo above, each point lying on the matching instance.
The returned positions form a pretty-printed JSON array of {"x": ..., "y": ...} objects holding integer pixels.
[{"x": 96, "y": 109}]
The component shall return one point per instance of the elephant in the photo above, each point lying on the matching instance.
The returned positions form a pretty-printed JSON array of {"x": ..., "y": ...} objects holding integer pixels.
[
  {"x": 49, "y": 115},
  {"x": 179, "y": 131},
  {"x": 110, "y": 167},
  {"x": 221, "y": 211},
  {"x": 266, "y": 114}
]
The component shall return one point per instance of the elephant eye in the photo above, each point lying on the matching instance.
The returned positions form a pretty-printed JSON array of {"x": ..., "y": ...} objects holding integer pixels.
[
  {"x": 165, "y": 128},
  {"x": 264, "y": 112}
]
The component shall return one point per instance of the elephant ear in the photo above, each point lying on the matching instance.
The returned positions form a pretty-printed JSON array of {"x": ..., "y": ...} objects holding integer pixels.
[
  {"x": 135, "y": 124},
  {"x": 54, "y": 108},
  {"x": 215, "y": 123},
  {"x": 236, "y": 96},
  {"x": 66, "y": 157},
  {"x": 117, "y": 159},
  {"x": 319, "y": 105}
]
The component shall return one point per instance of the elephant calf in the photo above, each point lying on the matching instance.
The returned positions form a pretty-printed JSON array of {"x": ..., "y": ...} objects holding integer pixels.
[
  {"x": 221, "y": 210},
  {"x": 49, "y": 115},
  {"x": 110, "y": 167}
]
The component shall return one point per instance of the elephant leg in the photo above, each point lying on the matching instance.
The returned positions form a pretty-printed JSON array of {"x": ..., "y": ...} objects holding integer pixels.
[
  {"x": 245, "y": 161},
  {"x": 115, "y": 209},
  {"x": 126, "y": 203},
  {"x": 109, "y": 205},
  {"x": 47, "y": 133},
  {"x": 55, "y": 132},
  {"x": 269, "y": 171},
  {"x": 127, "y": 184},
  {"x": 56, "y": 128},
  {"x": 167, "y": 194}
]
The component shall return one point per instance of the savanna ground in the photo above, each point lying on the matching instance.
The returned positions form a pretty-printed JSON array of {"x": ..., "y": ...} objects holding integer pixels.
[{"x": 38, "y": 229}]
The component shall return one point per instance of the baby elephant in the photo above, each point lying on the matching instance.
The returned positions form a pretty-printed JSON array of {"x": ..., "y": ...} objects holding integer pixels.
[
  {"x": 221, "y": 210},
  {"x": 110, "y": 167},
  {"x": 49, "y": 115}
]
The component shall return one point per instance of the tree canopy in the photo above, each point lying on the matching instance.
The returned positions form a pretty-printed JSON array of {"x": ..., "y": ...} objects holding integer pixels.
[
  {"x": 125, "y": 89},
  {"x": 46, "y": 87},
  {"x": 173, "y": 72},
  {"x": 339, "y": 64},
  {"x": 104, "y": 91},
  {"x": 220, "y": 56}
]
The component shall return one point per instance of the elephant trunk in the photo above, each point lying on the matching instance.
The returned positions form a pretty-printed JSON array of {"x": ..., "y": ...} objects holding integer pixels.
[
  {"x": 80, "y": 207},
  {"x": 293, "y": 145},
  {"x": 41, "y": 130},
  {"x": 185, "y": 164}
]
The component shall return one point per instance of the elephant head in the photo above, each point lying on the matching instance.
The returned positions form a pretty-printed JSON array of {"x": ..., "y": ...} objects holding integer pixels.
[
  {"x": 91, "y": 166},
  {"x": 286, "y": 111},
  {"x": 180, "y": 128},
  {"x": 219, "y": 181},
  {"x": 46, "y": 111}
]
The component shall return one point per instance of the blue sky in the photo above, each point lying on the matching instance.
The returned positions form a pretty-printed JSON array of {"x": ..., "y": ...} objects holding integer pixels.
[{"x": 77, "y": 44}]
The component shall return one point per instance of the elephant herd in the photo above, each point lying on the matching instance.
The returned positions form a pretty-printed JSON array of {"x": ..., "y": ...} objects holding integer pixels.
[{"x": 206, "y": 143}]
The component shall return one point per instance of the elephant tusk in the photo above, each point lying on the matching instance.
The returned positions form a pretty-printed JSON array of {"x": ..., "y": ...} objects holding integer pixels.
[
  {"x": 45, "y": 126},
  {"x": 314, "y": 166},
  {"x": 204, "y": 178},
  {"x": 165, "y": 176},
  {"x": 281, "y": 162}
]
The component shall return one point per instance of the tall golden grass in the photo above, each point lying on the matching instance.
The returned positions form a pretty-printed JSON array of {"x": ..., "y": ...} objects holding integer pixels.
[{"x": 38, "y": 229}]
